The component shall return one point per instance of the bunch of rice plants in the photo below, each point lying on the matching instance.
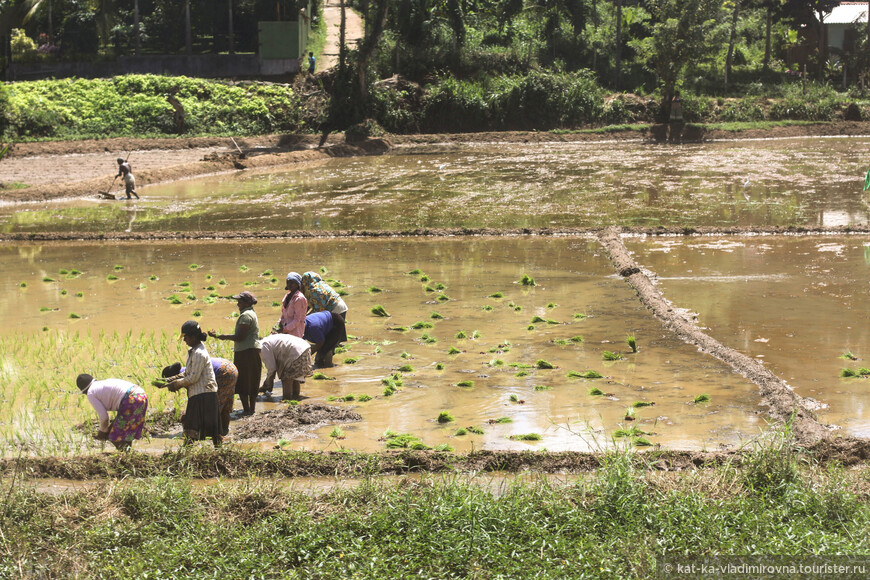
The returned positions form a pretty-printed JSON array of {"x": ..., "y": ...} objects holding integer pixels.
[{"x": 379, "y": 310}]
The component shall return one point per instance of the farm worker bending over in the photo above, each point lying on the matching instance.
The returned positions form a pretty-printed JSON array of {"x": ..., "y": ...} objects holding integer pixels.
[
  {"x": 129, "y": 180},
  {"x": 130, "y": 402},
  {"x": 293, "y": 307},
  {"x": 226, "y": 374},
  {"x": 321, "y": 297},
  {"x": 289, "y": 357},
  {"x": 246, "y": 352},
  {"x": 201, "y": 418},
  {"x": 326, "y": 330}
]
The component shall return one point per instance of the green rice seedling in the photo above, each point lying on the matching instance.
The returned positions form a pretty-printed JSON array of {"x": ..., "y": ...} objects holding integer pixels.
[
  {"x": 514, "y": 398},
  {"x": 323, "y": 270},
  {"x": 234, "y": 315},
  {"x": 639, "y": 404},
  {"x": 337, "y": 433},
  {"x": 530, "y": 327},
  {"x": 80, "y": 294},
  {"x": 47, "y": 309},
  {"x": 406, "y": 355},
  {"x": 63, "y": 271},
  {"x": 342, "y": 349},
  {"x": 846, "y": 373},
  {"x": 348, "y": 397},
  {"x": 537, "y": 319},
  {"x": 453, "y": 350},
  {"x": 632, "y": 431},
  {"x": 439, "y": 366},
  {"x": 465, "y": 384},
  {"x": 266, "y": 273},
  {"x": 579, "y": 316},
  {"x": 461, "y": 334},
  {"x": 141, "y": 287},
  {"x": 701, "y": 399},
  {"x": 153, "y": 278},
  {"x": 863, "y": 371},
  {"x": 424, "y": 278},
  {"x": 460, "y": 432},
  {"x": 249, "y": 284},
  {"x": 443, "y": 298},
  {"x": 496, "y": 295},
  {"x": 428, "y": 339},
  {"x": 22, "y": 285},
  {"x": 596, "y": 392},
  {"x": 159, "y": 383},
  {"x": 631, "y": 341},
  {"x": 44, "y": 328},
  {"x": 551, "y": 305},
  {"x": 496, "y": 362},
  {"x": 561, "y": 341},
  {"x": 428, "y": 289},
  {"x": 73, "y": 315},
  {"x": 214, "y": 295},
  {"x": 542, "y": 364},
  {"x": 848, "y": 356},
  {"x": 527, "y": 280},
  {"x": 521, "y": 374},
  {"x": 243, "y": 268},
  {"x": 118, "y": 267},
  {"x": 421, "y": 324},
  {"x": 518, "y": 308},
  {"x": 440, "y": 286},
  {"x": 414, "y": 272},
  {"x": 208, "y": 276},
  {"x": 584, "y": 375},
  {"x": 388, "y": 433},
  {"x": 191, "y": 296},
  {"x": 611, "y": 356},
  {"x": 475, "y": 430},
  {"x": 111, "y": 277},
  {"x": 197, "y": 313},
  {"x": 185, "y": 284},
  {"x": 501, "y": 420},
  {"x": 475, "y": 335},
  {"x": 374, "y": 289},
  {"x": 318, "y": 376},
  {"x": 389, "y": 390},
  {"x": 210, "y": 288},
  {"x": 398, "y": 328},
  {"x": 331, "y": 398},
  {"x": 404, "y": 441},
  {"x": 276, "y": 304},
  {"x": 48, "y": 279},
  {"x": 445, "y": 447},
  {"x": 406, "y": 369},
  {"x": 363, "y": 398},
  {"x": 194, "y": 267},
  {"x": 445, "y": 417},
  {"x": 543, "y": 388},
  {"x": 526, "y": 437},
  {"x": 379, "y": 310},
  {"x": 342, "y": 292},
  {"x": 486, "y": 308},
  {"x": 75, "y": 272},
  {"x": 222, "y": 282},
  {"x": 64, "y": 292},
  {"x": 641, "y": 442},
  {"x": 576, "y": 339},
  {"x": 436, "y": 316},
  {"x": 351, "y": 360}
]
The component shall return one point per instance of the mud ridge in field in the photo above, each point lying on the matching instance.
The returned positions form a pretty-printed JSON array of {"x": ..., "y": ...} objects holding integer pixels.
[
  {"x": 784, "y": 405},
  {"x": 290, "y": 422}
]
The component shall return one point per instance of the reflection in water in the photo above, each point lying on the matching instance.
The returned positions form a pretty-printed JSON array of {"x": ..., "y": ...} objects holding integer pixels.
[
  {"x": 575, "y": 290},
  {"x": 797, "y": 304},
  {"x": 776, "y": 182}
]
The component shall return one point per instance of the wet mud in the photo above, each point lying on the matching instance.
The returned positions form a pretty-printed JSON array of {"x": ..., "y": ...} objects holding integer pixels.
[{"x": 290, "y": 422}]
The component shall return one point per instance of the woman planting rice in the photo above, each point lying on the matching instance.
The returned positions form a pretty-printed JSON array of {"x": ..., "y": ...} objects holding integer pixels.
[
  {"x": 246, "y": 352},
  {"x": 288, "y": 357},
  {"x": 130, "y": 402},
  {"x": 321, "y": 297},
  {"x": 293, "y": 307},
  {"x": 226, "y": 374},
  {"x": 201, "y": 418}
]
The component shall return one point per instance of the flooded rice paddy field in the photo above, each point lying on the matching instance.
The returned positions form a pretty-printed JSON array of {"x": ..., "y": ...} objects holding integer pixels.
[
  {"x": 127, "y": 328},
  {"x": 798, "y": 304},
  {"x": 809, "y": 182}
]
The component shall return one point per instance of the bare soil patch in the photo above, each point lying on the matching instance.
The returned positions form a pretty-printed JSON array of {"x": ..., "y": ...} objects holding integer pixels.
[{"x": 290, "y": 422}]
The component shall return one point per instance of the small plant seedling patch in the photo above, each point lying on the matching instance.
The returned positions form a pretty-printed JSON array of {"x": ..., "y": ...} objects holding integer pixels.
[
  {"x": 63, "y": 271},
  {"x": 848, "y": 356},
  {"x": 527, "y": 280},
  {"x": 337, "y": 433},
  {"x": 342, "y": 292},
  {"x": 48, "y": 279},
  {"x": 406, "y": 355},
  {"x": 501, "y": 420},
  {"x": 460, "y": 432},
  {"x": 579, "y": 316},
  {"x": 194, "y": 266},
  {"x": 364, "y": 397},
  {"x": 210, "y": 288},
  {"x": 461, "y": 334},
  {"x": 379, "y": 310},
  {"x": 47, "y": 309},
  {"x": 465, "y": 384},
  {"x": 141, "y": 287},
  {"x": 428, "y": 289},
  {"x": 398, "y": 328},
  {"x": 191, "y": 296},
  {"x": 611, "y": 356},
  {"x": 440, "y": 286},
  {"x": 639, "y": 404},
  {"x": 222, "y": 282},
  {"x": 486, "y": 307},
  {"x": 475, "y": 430},
  {"x": 74, "y": 316},
  {"x": 596, "y": 392},
  {"x": 118, "y": 267},
  {"x": 174, "y": 299},
  {"x": 518, "y": 308},
  {"x": 425, "y": 278},
  {"x": 276, "y": 304},
  {"x": 443, "y": 298},
  {"x": 537, "y": 319},
  {"x": 445, "y": 417},
  {"x": 375, "y": 289},
  {"x": 159, "y": 383},
  {"x": 421, "y": 325},
  {"x": 513, "y": 398},
  {"x": 243, "y": 268},
  {"x": 64, "y": 292},
  {"x": 632, "y": 431},
  {"x": 406, "y": 369},
  {"x": 153, "y": 278},
  {"x": 405, "y": 441},
  {"x": 542, "y": 364},
  {"x": 526, "y": 437},
  {"x": 323, "y": 270},
  {"x": 22, "y": 285},
  {"x": 197, "y": 313},
  {"x": 584, "y": 375},
  {"x": 351, "y": 360},
  {"x": 530, "y": 327},
  {"x": 641, "y": 442},
  {"x": 496, "y": 362},
  {"x": 551, "y": 305},
  {"x": 436, "y": 316},
  {"x": 318, "y": 376},
  {"x": 631, "y": 341},
  {"x": 704, "y": 398},
  {"x": 415, "y": 272},
  {"x": 439, "y": 366},
  {"x": 111, "y": 277},
  {"x": 521, "y": 374},
  {"x": 80, "y": 294},
  {"x": 496, "y": 295},
  {"x": 543, "y": 388},
  {"x": 427, "y": 339},
  {"x": 453, "y": 350}
]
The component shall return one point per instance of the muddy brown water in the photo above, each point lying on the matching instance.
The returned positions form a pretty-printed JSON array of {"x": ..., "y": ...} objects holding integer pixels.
[
  {"x": 571, "y": 273},
  {"x": 795, "y": 303},
  {"x": 808, "y": 181}
]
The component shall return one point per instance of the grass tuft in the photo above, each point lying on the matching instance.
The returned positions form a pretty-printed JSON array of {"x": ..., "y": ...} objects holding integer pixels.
[
  {"x": 445, "y": 417},
  {"x": 542, "y": 364},
  {"x": 527, "y": 280}
]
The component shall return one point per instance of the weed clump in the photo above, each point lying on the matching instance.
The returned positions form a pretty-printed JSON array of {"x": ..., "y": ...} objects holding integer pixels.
[
  {"x": 379, "y": 310},
  {"x": 527, "y": 280}
]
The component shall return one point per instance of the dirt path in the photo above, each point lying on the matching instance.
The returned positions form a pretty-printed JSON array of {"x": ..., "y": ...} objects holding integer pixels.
[{"x": 354, "y": 29}]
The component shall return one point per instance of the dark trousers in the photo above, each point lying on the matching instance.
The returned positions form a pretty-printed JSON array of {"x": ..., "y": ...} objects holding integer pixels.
[{"x": 250, "y": 367}]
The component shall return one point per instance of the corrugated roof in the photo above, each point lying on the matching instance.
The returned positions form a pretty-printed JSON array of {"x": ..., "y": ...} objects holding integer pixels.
[{"x": 848, "y": 13}]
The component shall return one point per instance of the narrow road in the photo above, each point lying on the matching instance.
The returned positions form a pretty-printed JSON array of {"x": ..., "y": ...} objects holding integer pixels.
[{"x": 353, "y": 32}]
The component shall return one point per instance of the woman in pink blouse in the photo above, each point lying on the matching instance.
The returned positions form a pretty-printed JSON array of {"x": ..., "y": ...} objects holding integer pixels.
[
  {"x": 130, "y": 402},
  {"x": 294, "y": 307}
]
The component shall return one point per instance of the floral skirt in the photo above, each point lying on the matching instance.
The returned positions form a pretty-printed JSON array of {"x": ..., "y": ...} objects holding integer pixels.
[
  {"x": 226, "y": 377},
  {"x": 130, "y": 419}
]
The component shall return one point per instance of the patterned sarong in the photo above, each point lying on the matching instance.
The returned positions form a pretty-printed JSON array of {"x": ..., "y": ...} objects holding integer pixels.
[{"x": 130, "y": 419}]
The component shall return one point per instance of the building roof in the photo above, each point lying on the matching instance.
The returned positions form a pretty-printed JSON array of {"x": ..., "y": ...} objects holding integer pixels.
[{"x": 847, "y": 13}]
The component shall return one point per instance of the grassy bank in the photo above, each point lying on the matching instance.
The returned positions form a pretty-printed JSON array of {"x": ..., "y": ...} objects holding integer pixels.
[{"x": 613, "y": 524}]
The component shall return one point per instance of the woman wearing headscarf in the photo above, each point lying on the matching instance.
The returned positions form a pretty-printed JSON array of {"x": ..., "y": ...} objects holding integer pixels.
[
  {"x": 321, "y": 297},
  {"x": 246, "y": 351},
  {"x": 325, "y": 330},
  {"x": 128, "y": 399},
  {"x": 293, "y": 307},
  {"x": 226, "y": 374},
  {"x": 202, "y": 417}
]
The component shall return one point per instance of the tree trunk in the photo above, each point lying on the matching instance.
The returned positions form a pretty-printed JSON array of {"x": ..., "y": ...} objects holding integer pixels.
[
  {"x": 822, "y": 44},
  {"x": 342, "y": 48},
  {"x": 768, "y": 24},
  {"x": 188, "y": 38},
  {"x": 619, "y": 44},
  {"x": 368, "y": 48},
  {"x": 137, "y": 43},
  {"x": 230, "y": 15},
  {"x": 732, "y": 39}
]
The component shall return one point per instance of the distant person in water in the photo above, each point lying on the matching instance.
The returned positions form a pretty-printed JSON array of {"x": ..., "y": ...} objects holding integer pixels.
[
  {"x": 311, "y": 63},
  {"x": 128, "y": 399},
  {"x": 126, "y": 171}
]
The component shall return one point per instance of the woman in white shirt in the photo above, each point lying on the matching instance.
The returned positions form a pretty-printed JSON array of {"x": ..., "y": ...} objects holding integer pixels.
[{"x": 130, "y": 402}]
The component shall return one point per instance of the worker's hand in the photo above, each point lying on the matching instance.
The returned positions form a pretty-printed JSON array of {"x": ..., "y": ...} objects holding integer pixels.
[
  {"x": 101, "y": 435},
  {"x": 173, "y": 387},
  {"x": 212, "y": 333}
]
